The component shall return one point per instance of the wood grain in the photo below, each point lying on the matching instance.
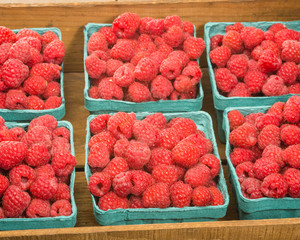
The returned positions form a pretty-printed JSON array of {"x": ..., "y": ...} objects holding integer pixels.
[{"x": 70, "y": 18}]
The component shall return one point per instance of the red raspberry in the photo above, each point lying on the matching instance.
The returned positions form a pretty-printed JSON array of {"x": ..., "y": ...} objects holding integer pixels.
[
  {"x": 269, "y": 135},
  {"x": 44, "y": 171},
  {"x": 11, "y": 154},
  {"x": 290, "y": 135},
  {"x": 216, "y": 41},
  {"x": 61, "y": 208},
  {"x": 244, "y": 170},
  {"x": 146, "y": 70},
  {"x": 235, "y": 27},
  {"x": 165, "y": 173},
  {"x": 199, "y": 175},
  {"x": 232, "y": 39},
  {"x": 274, "y": 186},
  {"x": 98, "y": 156},
  {"x": 186, "y": 154},
  {"x": 252, "y": 65},
  {"x": 98, "y": 124},
  {"x": 251, "y": 36},
  {"x": 180, "y": 194},
  {"x": 138, "y": 154},
  {"x": 120, "y": 124},
  {"x": 268, "y": 62},
  {"x": 135, "y": 202},
  {"x": 53, "y": 102},
  {"x": 99, "y": 184},
  {"x": 291, "y": 155},
  {"x": 61, "y": 132},
  {"x": 123, "y": 76},
  {"x": 170, "y": 21},
  {"x": 276, "y": 27},
  {"x": 63, "y": 192},
  {"x": 44, "y": 187},
  {"x": 15, "y": 201},
  {"x": 120, "y": 147},
  {"x": 238, "y": 65},
  {"x": 290, "y": 51},
  {"x": 93, "y": 92},
  {"x": 193, "y": 72},
  {"x": 16, "y": 99},
  {"x": 123, "y": 51},
  {"x": 110, "y": 36},
  {"x": 274, "y": 152},
  {"x": 169, "y": 138},
  {"x": 63, "y": 163},
  {"x": 33, "y": 42},
  {"x": 47, "y": 121},
  {"x": 183, "y": 126},
  {"x": 7, "y": 35},
  {"x": 201, "y": 196},
  {"x": 220, "y": 56},
  {"x": 54, "y": 52},
  {"x": 173, "y": 36},
  {"x": 102, "y": 54},
  {"x": 6, "y": 134},
  {"x": 269, "y": 35},
  {"x": 240, "y": 90},
  {"x": 22, "y": 176},
  {"x": 21, "y": 51},
  {"x": 158, "y": 57},
  {"x": 244, "y": 136},
  {"x": 203, "y": 144},
  {"x": 212, "y": 162},
  {"x": 112, "y": 201},
  {"x": 4, "y": 51},
  {"x": 288, "y": 72},
  {"x": 122, "y": 184},
  {"x": 188, "y": 27},
  {"x": 292, "y": 178},
  {"x": 2, "y": 100},
  {"x": 264, "y": 167},
  {"x": 183, "y": 84},
  {"x": 95, "y": 67},
  {"x": 126, "y": 24},
  {"x": 274, "y": 86},
  {"x": 194, "y": 47},
  {"x": 48, "y": 37},
  {"x": 257, "y": 52},
  {"x": 35, "y": 85},
  {"x": 294, "y": 88},
  {"x": 161, "y": 87},
  {"x": 157, "y": 195},
  {"x": 217, "y": 197},
  {"x": 2, "y": 215},
  {"x": 4, "y": 183},
  {"x": 235, "y": 119},
  {"x": 112, "y": 65},
  {"x": 267, "y": 44},
  {"x": 148, "y": 47},
  {"x": 60, "y": 144},
  {"x": 154, "y": 27},
  {"x": 170, "y": 68},
  {"x": 291, "y": 110},
  {"x": 141, "y": 180},
  {"x": 285, "y": 34},
  {"x": 97, "y": 41},
  {"x": 25, "y": 32},
  {"x": 116, "y": 166},
  {"x": 38, "y": 134},
  {"x": 160, "y": 156},
  {"x": 254, "y": 81},
  {"x": 38, "y": 208},
  {"x": 138, "y": 92},
  {"x": 48, "y": 71},
  {"x": 225, "y": 80},
  {"x": 250, "y": 188},
  {"x": 108, "y": 89},
  {"x": 146, "y": 133},
  {"x": 35, "y": 103},
  {"x": 156, "y": 119},
  {"x": 14, "y": 72}
]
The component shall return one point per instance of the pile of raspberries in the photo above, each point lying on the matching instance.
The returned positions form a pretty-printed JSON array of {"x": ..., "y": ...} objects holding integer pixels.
[
  {"x": 266, "y": 150},
  {"x": 145, "y": 59},
  {"x": 249, "y": 62},
  {"x": 30, "y": 69},
  {"x": 35, "y": 168},
  {"x": 151, "y": 163}
]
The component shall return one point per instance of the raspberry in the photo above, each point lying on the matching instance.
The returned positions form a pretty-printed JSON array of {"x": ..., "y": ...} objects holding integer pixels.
[
  {"x": 61, "y": 132},
  {"x": 235, "y": 27},
  {"x": 6, "y": 134},
  {"x": 135, "y": 202},
  {"x": 126, "y": 24},
  {"x": 201, "y": 196},
  {"x": 268, "y": 62},
  {"x": 108, "y": 89},
  {"x": 194, "y": 73},
  {"x": 183, "y": 84},
  {"x": 285, "y": 34},
  {"x": 264, "y": 167},
  {"x": 14, "y": 72},
  {"x": 288, "y": 72},
  {"x": 277, "y": 109},
  {"x": 105, "y": 138},
  {"x": 48, "y": 71},
  {"x": 138, "y": 154},
  {"x": 110, "y": 36},
  {"x": 120, "y": 124},
  {"x": 53, "y": 102},
  {"x": 61, "y": 208},
  {"x": 122, "y": 184},
  {"x": 112, "y": 65},
  {"x": 240, "y": 90},
  {"x": 274, "y": 86},
  {"x": 251, "y": 36},
  {"x": 116, "y": 166},
  {"x": 4, "y": 183},
  {"x": 290, "y": 51},
  {"x": 95, "y": 67},
  {"x": 232, "y": 39},
  {"x": 276, "y": 27},
  {"x": 156, "y": 119},
  {"x": 157, "y": 195},
  {"x": 112, "y": 201},
  {"x": 7, "y": 36},
  {"x": 21, "y": 51},
  {"x": 146, "y": 133},
  {"x": 291, "y": 155},
  {"x": 16, "y": 99},
  {"x": 138, "y": 92},
  {"x": 120, "y": 147},
  {"x": 2, "y": 100},
  {"x": 271, "y": 46},
  {"x": 154, "y": 27},
  {"x": 38, "y": 208},
  {"x": 165, "y": 173},
  {"x": 44, "y": 171},
  {"x": 161, "y": 87},
  {"x": 48, "y": 37},
  {"x": 38, "y": 134},
  {"x": 169, "y": 138},
  {"x": 180, "y": 194},
  {"x": 63, "y": 163},
  {"x": 35, "y": 85},
  {"x": 146, "y": 70},
  {"x": 235, "y": 119},
  {"x": 47, "y": 121},
  {"x": 141, "y": 180},
  {"x": 225, "y": 80},
  {"x": 290, "y": 135},
  {"x": 158, "y": 57},
  {"x": 35, "y": 103},
  {"x": 216, "y": 41},
  {"x": 44, "y": 187},
  {"x": 146, "y": 46},
  {"x": 98, "y": 156},
  {"x": 199, "y": 175},
  {"x": 250, "y": 188},
  {"x": 170, "y": 21},
  {"x": 274, "y": 186},
  {"x": 102, "y": 54},
  {"x": 269, "y": 135},
  {"x": 292, "y": 178},
  {"x": 63, "y": 192},
  {"x": 244, "y": 170},
  {"x": 60, "y": 144},
  {"x": 185, "y": 154},
  {"x": 170, "y": 68},
  {"x": 123, "y": 76},
  {"x": 194, "y": 47},
  {"x": 203, "y": 144},
  {"x": 11, "y": 154},
  {"x": 274, "y": 152},
  {"x": 244, "y": 136},
  {"x": 93, "y": 92},
  {"x": 160, "y": 156},
  {"x": 4, "y": 50},
  {"x": 291, "y": 110},
  {"x": 212, "y": 162},
  {"x": 25, "y": 32},
  {"x": 238, "y": 65},
  {"x": 98, "y": 124},
  {"x": 173, "y": 36},
  {"x": 220, "y": 56},
  {"x": 22, "y": 176},
  {"x": 217, "y": 197},
  {"x": 54, "y": 52},
  {"x": 252, "y": 65},
  {"x": 99, "y": 184},
  {"x": 183, "y": 126},
  {"x": 188, "y": 27},
  {"x": 15, "y": 201},
  {"x": 123, "y": 51}
]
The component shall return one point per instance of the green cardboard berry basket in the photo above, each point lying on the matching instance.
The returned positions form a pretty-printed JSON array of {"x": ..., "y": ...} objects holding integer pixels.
[
  {"x": 97, "y": 105},
  {"x": 171, "y": 214},
  {"x": 27, "y": 115},
  {"x": 7, "y": 224},
  {"x": 262, "y": 208},
  {"x": 221, "y": 102}
]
